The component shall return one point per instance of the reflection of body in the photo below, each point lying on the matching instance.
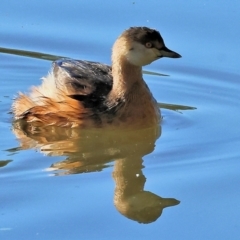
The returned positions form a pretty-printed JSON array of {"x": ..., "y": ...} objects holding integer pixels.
[
  {"x": 92, "y": 150},
  {"x": 86, "y": 148},
  {"x": 81, "y": 93}
]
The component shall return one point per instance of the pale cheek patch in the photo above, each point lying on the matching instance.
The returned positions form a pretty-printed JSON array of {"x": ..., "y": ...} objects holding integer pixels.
[
  {"x": 139, "y": 55},
  {"x": 135, "y": 58}
]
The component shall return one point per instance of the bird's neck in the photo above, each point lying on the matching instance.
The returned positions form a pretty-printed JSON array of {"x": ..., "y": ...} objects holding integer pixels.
[{"x": 125, "y": 76}]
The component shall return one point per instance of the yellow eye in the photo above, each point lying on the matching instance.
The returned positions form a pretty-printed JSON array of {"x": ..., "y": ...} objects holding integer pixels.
[{"x": 148, "y": 45}]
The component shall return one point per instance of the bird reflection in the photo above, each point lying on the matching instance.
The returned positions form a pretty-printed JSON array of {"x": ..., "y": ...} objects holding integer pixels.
[
  {"x": 130, "y": 198},
  {"x": 91, "y": 150}
]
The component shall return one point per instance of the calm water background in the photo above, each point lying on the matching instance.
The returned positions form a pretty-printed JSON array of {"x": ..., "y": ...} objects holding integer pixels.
[{"x": 196, "y": 159}]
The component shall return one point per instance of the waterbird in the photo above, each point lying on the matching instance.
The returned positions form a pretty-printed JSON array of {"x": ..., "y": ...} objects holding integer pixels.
[{"x": 78, "y": 93}]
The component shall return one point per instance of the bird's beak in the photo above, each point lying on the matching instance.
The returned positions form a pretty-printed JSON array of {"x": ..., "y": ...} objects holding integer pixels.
[{"x": 165, "y": 52}]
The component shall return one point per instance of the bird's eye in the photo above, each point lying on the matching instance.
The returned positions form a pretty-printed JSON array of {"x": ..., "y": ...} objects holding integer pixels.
[{"x": 148, "y": 45}]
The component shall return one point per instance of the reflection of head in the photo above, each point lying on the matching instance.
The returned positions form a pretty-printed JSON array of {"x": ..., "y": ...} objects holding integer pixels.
[
  {"x": 130, "y": 198},
  {"x": 144, "y": 207}
]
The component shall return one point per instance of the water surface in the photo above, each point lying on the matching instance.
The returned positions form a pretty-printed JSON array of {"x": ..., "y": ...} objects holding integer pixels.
[{"x": 94, "y": 184}]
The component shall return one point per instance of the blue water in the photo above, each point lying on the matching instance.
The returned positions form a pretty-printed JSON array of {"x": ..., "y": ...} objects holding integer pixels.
[{"x": 196, "y": 158}]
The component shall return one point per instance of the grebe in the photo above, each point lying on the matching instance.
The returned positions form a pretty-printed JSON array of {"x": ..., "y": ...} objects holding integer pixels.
[{"x": 82, "y": 93}]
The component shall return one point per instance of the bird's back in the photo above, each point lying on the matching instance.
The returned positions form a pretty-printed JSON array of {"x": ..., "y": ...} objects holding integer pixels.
[{"x": 72, "y": 92}]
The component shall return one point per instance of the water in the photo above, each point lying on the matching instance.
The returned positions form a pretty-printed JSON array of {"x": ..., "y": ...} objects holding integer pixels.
[{"x": 63, "y": 187}]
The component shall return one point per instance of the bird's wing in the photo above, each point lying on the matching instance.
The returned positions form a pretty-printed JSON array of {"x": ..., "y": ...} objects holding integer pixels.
[{"x": 83, "y": 80}]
